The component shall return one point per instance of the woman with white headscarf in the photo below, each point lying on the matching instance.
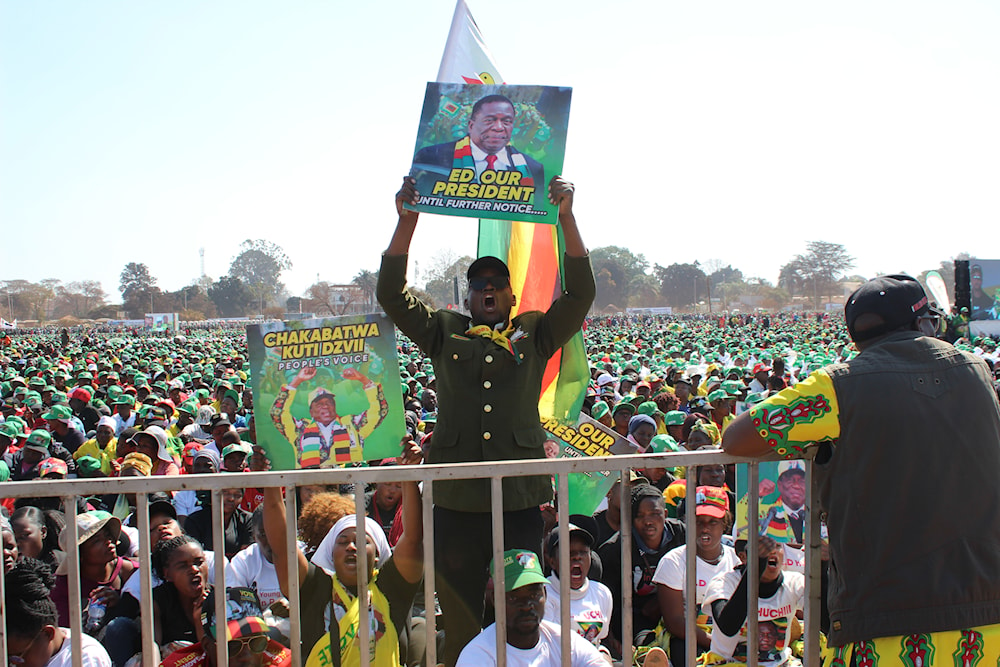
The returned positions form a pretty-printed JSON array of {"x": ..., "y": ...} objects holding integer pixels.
[{"x": 328, "y": 585}]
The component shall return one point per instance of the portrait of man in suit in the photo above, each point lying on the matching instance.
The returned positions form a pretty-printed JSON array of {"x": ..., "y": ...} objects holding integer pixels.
[{"x": 486, "y": 147}]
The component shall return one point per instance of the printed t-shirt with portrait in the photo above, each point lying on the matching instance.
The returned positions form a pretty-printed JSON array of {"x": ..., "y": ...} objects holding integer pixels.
[
  {"x": 590, "y": 607},
  {"x": 777, "y": 611},
  {"x": 672, "y": 568}
]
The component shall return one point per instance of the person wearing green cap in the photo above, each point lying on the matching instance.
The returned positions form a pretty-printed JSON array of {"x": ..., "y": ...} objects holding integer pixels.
[
  {"x": 530, "y": 639},
  {"x": 489, "y": 368},
  {"x": 124, "y": 413},
  {"x": 60, "y": 422},
  {"x": 38, "y": 447},
  {"x": 621, "y": 414}
]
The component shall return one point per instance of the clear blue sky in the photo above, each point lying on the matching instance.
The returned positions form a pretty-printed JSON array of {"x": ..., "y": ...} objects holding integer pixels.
[{"x": 737, "y": 131}]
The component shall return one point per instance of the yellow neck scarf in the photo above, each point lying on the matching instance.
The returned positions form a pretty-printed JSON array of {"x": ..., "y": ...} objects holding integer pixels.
[
  {"x": 501, "y": 338},
  {"x": 383, "y": 639}
]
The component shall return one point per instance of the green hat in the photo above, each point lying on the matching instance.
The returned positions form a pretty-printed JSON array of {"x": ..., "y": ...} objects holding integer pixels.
[
  {"x": 87, "y": 466},
  {"x": 190, "y": 407},
  {"x": 125, "y": 399},
  {"x": 232, "y": 394},
  {"x": 86, "y": 375},
  {"x": 674, "y": 418},
  {"x": 624, "y": 405},
  {"x": 521, "y": 568},
  {"x": 10, "y": 429},
  {"x": 733, "y": 387},
  {"x": 58, "y": 412},
  {"x": 648, "y": 408},
  {"x": 599, "y": 410},
  {"x": 39, "y": 440},
  {"x": 236, "y": 447},
  {"x": 36, "y": 382},
  {"x": 717, "y": 395},
  {"x": 662, "y": 443},
  {"x": 753, "y": 399}
]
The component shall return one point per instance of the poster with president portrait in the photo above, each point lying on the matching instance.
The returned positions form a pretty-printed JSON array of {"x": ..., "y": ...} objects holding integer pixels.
[
  {"x": 326, "y": 392},
  {"x": 489, "y": 151},
  {"x": 587, "y": 437}
]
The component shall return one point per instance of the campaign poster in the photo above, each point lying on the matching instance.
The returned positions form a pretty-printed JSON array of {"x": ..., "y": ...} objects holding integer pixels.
[
  {"x": 326, "y": 391},
  {"x": 587, "y": 437},
  {"x": 782, "y": 492},
  {"x": 489, "y": 151}
]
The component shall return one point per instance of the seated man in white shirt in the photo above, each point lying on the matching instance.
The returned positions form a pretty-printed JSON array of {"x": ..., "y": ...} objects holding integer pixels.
[
  {"x": 590, "y": 601},
  {"x": 531, "y": 641}
]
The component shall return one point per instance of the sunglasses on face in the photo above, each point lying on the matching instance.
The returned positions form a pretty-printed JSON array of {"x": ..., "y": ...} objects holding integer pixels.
[
  {"x": 498, "y": 282},
  {"x": 256, "y": 644}
]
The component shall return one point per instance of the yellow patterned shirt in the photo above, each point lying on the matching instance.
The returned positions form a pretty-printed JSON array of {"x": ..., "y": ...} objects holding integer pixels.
[{"x": 799, "y": 416}]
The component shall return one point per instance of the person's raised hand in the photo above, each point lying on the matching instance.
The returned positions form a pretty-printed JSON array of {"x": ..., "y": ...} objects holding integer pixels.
[
  {"x": 561, "y": 194},
  {"x": 407, "y": 195},
  {"x": 307, "y": 373},
  {"x": 412, "y": 454},
  {"x": 352, "y": 374},
  {"x": 258, "y": 460}
]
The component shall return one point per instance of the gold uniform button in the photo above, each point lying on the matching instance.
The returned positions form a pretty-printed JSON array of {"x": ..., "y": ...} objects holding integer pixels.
[
  {"x": 522, "y": 355},
  {"x": 487, "y": 408},
  {"x": 487, "y": 384},
  {"x": 489, "y": 358},
  {"x": 487, "y": 436},
  {"x": 455, "y": 357}
]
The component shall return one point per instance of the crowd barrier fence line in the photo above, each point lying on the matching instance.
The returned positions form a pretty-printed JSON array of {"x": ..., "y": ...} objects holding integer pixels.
[{"x": 69, "y": 490}]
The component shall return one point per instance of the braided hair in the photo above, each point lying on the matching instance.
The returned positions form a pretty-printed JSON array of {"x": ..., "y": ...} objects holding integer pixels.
[
  {"x": 26, "y": 596},
  {"x": 164, "y": 549}
]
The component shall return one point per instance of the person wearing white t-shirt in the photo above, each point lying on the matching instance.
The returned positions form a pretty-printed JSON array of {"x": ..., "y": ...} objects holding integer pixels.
[
  {"x": 33, "y": 636},
  {"x": 531, "y": 641},
  {"x": 590, "y": 601},
  {"x": 253, "y": 567},
  {"x": 713, "y": 519},
  {"x": 781, "y": 600}
]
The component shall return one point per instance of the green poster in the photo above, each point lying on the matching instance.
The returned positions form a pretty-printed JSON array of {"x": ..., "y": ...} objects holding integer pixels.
[
  {"x": 587, "y": 437},
  {"x": 326, "y": 391},
  {"x": 489, "y": 151}
]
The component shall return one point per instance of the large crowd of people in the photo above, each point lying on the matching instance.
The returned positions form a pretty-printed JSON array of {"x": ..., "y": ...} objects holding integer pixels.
[{"x": 113, "y": 403}]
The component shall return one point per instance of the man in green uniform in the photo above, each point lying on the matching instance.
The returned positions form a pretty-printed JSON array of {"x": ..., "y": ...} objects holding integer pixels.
[{"x": 489, "y": 370}]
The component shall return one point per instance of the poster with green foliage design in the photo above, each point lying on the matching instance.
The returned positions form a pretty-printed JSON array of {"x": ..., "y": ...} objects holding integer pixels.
[{"x": 326, "y": 391}]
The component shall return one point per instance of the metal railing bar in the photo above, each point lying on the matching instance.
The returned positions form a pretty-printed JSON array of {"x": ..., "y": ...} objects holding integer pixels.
[
  {"x": 753, "y": 566},
  {"x": 219, "y": 542},
  {"x": 364, "y": 604},
  {"x": 145, "y": 580},
  {"x": 625, "y": 542},
  {"x": 499, "y": 590},
  {"x": 565, "y": 622},
  {"x": 814, "y": 564},
  {"x": 91, "y": 487},
  {"x": 73, "y": 592},
  {"x": 294, "y": 594},
  {"x": 429, "y": 579},
  {"x": 690, "y": 564}
]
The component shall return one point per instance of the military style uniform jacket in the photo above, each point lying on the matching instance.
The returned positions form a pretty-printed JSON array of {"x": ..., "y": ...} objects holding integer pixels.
[{"x": 487, "y": 397}]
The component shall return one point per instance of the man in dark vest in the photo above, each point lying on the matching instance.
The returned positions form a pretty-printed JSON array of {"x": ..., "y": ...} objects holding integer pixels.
[{"x": 908, "y": 438}]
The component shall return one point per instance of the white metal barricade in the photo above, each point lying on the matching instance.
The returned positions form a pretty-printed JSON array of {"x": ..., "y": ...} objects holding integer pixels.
[{"x": 69, "y": 490}]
